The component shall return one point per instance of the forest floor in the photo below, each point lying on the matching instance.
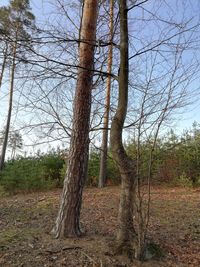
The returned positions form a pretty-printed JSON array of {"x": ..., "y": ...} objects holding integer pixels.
[{"x": 26, "y": 222}]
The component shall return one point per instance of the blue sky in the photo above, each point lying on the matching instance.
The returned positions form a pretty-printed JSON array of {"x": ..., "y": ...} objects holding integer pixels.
[{"x": 42, "y": 9}]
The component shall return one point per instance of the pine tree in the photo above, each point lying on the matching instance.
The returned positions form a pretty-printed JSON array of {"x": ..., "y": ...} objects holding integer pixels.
[
  {"x": 68, "y": 219},
  {"x": 16, "y": 21}
]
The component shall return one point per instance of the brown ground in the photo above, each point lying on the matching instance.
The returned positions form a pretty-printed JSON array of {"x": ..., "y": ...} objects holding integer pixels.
[{"x": 26, "y": 221}]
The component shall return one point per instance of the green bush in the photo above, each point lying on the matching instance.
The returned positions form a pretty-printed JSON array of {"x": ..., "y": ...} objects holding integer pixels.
[
  {"x": 2, "y": 191},
  {"x": 183, "y": 180},
  {"x": 197, "y": 182},
  {"x": 33, "y": 173},
  {"x": 62, "y": 174},
  {"x": 93, "y": 169},
  {"x": 92, "y": 179},
  {"x": 52, "y": 164},
  {"x": 44, "y": 172},
  {"x": 113, "y": 176}
]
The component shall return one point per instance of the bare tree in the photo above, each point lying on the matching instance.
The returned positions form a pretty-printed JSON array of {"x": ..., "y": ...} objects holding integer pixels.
[
  {"x": 126, "y": 232},
  {"x": 148, "y": 115}
]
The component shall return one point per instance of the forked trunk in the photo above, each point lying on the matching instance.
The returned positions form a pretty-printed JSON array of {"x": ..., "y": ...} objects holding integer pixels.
[
  {"x": 67, "y": 223},
  {"x": 126, "y": 234}
]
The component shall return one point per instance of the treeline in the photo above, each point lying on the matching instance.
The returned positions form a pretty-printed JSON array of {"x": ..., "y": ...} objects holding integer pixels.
[
  {"x": 176, "y": 161},
  {"x": 47, "y": 171}
]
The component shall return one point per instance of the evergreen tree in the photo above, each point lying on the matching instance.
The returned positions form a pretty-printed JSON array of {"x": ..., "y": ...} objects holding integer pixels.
[
  {"x": 68, "y": 219},
  {"x": 16, "y": 22}
]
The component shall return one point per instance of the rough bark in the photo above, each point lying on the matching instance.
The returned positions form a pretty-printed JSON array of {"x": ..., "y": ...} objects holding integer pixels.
[
  {"x": 7, "y": 128},
  {"x": 67, "y": 223},
  {"x": 126, "y": 233},
  {"x": 104, "y": 146}
]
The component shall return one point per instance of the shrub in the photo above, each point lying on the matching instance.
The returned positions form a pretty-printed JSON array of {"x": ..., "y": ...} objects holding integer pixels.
[
  {"x": 93, "y": 169},
  {"x": 2, "y": 191},
  {"x": 33, "y": 173},
  {"x": 113, "y": 175},
  {"x": 197, "y": 182},
  {"x": 62, "y": 174},
  {"x": 52, "y": 164},
  {"x": 183, "y": 180},
  {"x": 44, "y": 172}
]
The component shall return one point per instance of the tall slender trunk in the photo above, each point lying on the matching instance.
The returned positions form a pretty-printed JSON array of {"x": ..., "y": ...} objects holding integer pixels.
[
  {"x": 67, "y": 223},
  {"x": 3, "y": 64},
  {"x": 104, "y": 146},
  {"x": 126, "y": 234},
  {"x": 13, "y": 151},
  {"x": 7, "y": 128}
]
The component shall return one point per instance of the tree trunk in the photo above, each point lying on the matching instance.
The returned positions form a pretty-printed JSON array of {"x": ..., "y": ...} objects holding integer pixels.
[
  {"x": 104, "y": 146},
  {"x": 67, "y": 223},
  {"x": 126, "y": 234},
  {"x": 7, "y": 128},
  {"x": 3, "y": 64}
]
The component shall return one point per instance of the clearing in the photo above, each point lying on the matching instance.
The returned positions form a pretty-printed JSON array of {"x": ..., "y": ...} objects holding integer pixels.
[{"x": 26, "y": 222}]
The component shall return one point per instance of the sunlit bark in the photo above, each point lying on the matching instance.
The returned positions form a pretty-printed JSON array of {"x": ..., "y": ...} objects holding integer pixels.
[{"x": 67, "y": 223}]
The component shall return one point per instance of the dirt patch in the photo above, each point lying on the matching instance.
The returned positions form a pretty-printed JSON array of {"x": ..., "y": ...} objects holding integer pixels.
[{"x": 26, "y": 222}]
